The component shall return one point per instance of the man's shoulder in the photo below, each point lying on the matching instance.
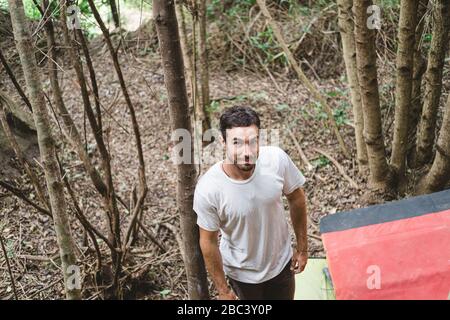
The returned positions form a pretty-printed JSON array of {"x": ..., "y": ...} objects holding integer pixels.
[
  {"x": 271, "y": 153},
  {"x": 270, "y": 150},
  {"x": 209, "y": 180}
]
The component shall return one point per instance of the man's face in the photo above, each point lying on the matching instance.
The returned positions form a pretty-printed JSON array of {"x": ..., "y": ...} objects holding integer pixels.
[{"x": 242, "y": 147}]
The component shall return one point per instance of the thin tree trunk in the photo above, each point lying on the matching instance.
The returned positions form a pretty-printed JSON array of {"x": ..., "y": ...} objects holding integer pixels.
[
  {"x": 190, "y": 62},
  {"x": 186, "y": 48},
  {"x": 368, "y": 81},
  {"x": 204, "y": 66},
  {"x": 71, "y": 130},
  {"x": 403, "y": 89},
  {"x": 141, "y": 171},
  {"x": 416, "y": 96},
  {"x": 167, "y": 29},
  {"x": 439, "y": 174},
  {"x": 308, "y": 84},
  {"x": 114, "y": 13},
  {"x": 46, "y": 144},
  {"x": 110, "y": 199},
  {"x": 346, "y": 27},
  {"x": 433, "y": 76}
]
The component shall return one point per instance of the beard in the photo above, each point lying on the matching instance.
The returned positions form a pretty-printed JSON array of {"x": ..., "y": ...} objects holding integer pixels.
[{"x": 246, "y": 166}]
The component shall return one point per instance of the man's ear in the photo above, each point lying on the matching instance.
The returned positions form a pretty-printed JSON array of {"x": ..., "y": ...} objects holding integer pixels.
[{"x": 222, "y": 141}]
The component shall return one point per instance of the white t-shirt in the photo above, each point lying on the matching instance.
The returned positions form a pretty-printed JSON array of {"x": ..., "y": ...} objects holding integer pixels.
[{"x": 255, "y": 243}]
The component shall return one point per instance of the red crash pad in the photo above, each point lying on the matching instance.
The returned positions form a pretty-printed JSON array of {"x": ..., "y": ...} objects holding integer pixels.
[{"x": 398, "y": 250}]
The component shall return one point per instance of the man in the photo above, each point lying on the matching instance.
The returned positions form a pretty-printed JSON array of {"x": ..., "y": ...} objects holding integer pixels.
[{"x": 241, "y": 197}]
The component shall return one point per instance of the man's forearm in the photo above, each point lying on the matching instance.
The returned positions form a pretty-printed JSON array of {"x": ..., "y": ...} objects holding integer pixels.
[
  {"x": 297, "y": 208},
  {"x": 214, "y": 265}
]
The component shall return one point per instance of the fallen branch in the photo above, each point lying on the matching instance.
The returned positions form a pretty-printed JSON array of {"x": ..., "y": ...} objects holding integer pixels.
[
  {"x": 14, "y": 81},
  {"x": 19, "y": 194},
  {"x": 302, "y": 77},
  {"x": 305, "y": 160},
  {"x": 13, "y": 283},
  {"x": 340, "y": 169}
]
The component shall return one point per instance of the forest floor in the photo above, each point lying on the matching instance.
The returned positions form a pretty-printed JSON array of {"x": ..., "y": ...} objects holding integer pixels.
[{"x": 282, "y": 103}]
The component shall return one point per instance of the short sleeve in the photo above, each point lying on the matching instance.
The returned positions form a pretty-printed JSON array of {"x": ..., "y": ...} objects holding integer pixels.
[
  {"x": 207, "y": 216},
  {"x": 293, "y": 178}
]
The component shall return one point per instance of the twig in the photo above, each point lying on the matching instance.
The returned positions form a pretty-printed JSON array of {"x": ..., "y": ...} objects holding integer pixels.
[
  {"x": 38, "y": 258},
  {"x": 176, "y": 233},
  {"x": 20, "y": 156},
  {"x": 18, "y": 193},
  {"x": 305, "y": 160},
  {"x": 13, "y": 284},
  {"x": 14, "y": 81},
  {"x": 150, "y": 236},
  {"x": 45, "y": 288},
  {"x": 340, "y": 168}
]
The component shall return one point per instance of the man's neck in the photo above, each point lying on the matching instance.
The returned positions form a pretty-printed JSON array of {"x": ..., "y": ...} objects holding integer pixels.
[{"x": 235, "y": 173}]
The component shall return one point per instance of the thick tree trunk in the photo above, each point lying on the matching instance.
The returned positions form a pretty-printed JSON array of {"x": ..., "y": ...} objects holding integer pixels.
[
  {"x": 419, "y": 68},
  {"x": 403, "y": 87},
  {"x": 439, "y": 174},
  {"x": 346, "y": 27},
  {"x": 167, "y": 28},
  {"x": 46, "y": 144},
  {"x": 367, "y": 75},
  {"x": 433, "y": 76}
]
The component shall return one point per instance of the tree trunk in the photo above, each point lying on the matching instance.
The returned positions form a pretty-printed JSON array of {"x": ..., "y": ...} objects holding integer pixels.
[
  {"x": 346, "y": 27},
  {"x": 416, "y": 96},
  {"x": 114, "y": 13},
  {"x": 439, "y": 174},
  {"x": 368, "y": 81},
  {"x": 403, "y": 87},
  {"x": 167, "y": 28},
  {"x": 187, "y": 51},
  {"x": 204, "y": 66},
  {"x": 433, "y": 76},
  {"x": 46, "y": 144},
  {"x": 70, "y": 128}
]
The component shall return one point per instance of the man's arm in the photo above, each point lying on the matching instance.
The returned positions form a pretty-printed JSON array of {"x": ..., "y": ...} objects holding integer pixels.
[
  {"x": 297, "y": 208},
  {"x": 213, "y": 262}
]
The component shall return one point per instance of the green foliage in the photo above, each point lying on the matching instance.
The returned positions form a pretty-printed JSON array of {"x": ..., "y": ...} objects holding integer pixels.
[
  {"x": 265, "y": 42},
  {"x": 320, "y": 114},
  {"x": 281, "y": 107},
  {"x": 213, "y": 106},
  {"x": 164, "y": 293},
  {"x": 388, "y": 3},
  {"x": 340, "y": 114},
  {"x": 86, "y": 18},
  {"x": 320, "y": 162}
]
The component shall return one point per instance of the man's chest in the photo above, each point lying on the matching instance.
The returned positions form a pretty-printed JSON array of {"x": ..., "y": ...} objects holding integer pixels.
[{"x": 250, "y": 201}]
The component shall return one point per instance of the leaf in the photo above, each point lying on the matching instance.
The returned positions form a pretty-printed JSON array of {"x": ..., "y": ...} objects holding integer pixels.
[{"x": 165, "y": 292}]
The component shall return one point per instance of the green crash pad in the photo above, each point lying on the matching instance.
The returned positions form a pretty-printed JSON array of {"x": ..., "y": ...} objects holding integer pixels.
[{"x": 314, "y": 283}]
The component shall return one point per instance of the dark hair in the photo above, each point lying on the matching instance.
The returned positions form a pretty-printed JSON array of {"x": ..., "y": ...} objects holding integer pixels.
[{"x": 238, "y": 116}]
